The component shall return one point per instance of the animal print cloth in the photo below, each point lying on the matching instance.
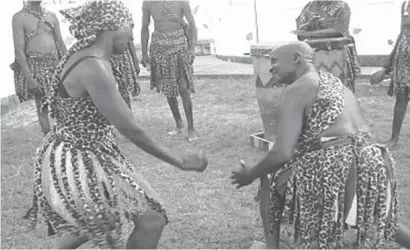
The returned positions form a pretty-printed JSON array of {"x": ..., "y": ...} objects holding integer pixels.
[
  {"x": 171, "y": 60},
  {"x": 315, "y": 191},
  {"x": 126, "y": 74},
  {"x": 87, "y": 21},
  {"x": 83, "y": 184},
  {"x": 41, "y": 64},
  {"x": 335, "y": 15},
  {"x": 400, "y": 77},
  {"x": 399, "y": 63}
]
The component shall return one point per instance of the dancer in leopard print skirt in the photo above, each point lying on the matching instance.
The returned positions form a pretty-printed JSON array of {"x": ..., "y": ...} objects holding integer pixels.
[
  {"x": 84, "y": 187},
  {"x": 171, "y": 56},
  {"x": 398, "y": 65},
  {"x": 38, "y": 45},
  {"x": 323, "y": 174}
]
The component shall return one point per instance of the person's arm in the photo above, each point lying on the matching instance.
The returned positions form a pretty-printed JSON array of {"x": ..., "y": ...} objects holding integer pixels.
[
  {"x": 389, "y": 63},
  {"x": 20, "y": 45},
  {"x": 290, "y": 125},
  {"x": 57, "y": 31},
  {"x": 330, "y": 32},
  {"x": 103, "y": 91},
  {"x": 146, "y": 18},
  {"x": 191, "y": 22}
]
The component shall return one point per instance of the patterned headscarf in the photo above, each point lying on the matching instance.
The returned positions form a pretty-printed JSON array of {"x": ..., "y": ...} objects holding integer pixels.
[
  {"x": 96, "y": 16},
  {"x": 87, "y": 21}
]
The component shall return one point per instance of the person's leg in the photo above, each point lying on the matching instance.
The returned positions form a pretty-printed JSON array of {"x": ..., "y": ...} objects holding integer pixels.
[
  {"x": 147, "y": 231},
  {"x": 400, "y": 109},
  {"x": 273, "y": 238},
  {"x": 42, "y": 117},
  {"x": 271, "y": 241},
  {"x": 173, "y": 104},
  {"x": 72, "y": 242},
  {"x": 403, "y": 236},
  {"x": 187, "y": 103}
]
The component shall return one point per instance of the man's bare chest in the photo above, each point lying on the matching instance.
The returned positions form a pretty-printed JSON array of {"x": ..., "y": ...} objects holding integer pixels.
[
  {"x": 161, "y": 12},
  {"x": 32, "y": 24}
]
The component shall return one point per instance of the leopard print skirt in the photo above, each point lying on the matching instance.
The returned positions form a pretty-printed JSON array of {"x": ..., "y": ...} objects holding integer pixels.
[
  {"x": 171, "y": 60},
  {"x": 83, "y": 184},
  {"x": 400, "y": 79},
  {"x": 323, "y": 192},
  {"x": 42, "y": 66},
  {"x": 126, "y": 75},
  {"x": 353, "y": 67}
]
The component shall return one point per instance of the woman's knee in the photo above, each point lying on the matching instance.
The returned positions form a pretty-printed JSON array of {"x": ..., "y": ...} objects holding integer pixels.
[{"x": 151, "y": 221}]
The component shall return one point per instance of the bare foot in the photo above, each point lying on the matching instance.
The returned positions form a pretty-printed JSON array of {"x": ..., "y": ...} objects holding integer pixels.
[
  {"x": 258, "y": 245},
  {"x": 175, "y": 132},
  {"x": 392, "y": 143},
  {"x": 192, "y": 136}
]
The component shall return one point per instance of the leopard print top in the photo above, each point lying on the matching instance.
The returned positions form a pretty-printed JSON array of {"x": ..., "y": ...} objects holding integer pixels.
[
  {"x": 327, "y": 108},
  {"x": 334, "y": 14},
  {"x": 87, "y": 21}
]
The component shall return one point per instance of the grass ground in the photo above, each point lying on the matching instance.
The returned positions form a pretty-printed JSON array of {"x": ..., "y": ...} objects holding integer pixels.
[{"x": 205, "y": 210}]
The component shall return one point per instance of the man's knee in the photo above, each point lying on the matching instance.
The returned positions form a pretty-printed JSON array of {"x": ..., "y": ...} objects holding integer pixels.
[
  {"x": 151, "y": 221},
  {"x": 184, "y": 93}
]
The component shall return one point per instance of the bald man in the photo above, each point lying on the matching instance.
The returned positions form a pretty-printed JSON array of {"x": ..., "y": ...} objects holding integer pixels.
[{"x": 324, "y": 175}]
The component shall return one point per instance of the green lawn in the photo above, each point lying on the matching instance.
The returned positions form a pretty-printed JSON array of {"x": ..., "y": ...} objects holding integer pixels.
[{"x": 205, "y": 210}]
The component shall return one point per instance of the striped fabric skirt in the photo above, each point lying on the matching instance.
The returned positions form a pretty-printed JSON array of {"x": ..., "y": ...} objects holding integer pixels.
[{"x": 88, "y": 192}]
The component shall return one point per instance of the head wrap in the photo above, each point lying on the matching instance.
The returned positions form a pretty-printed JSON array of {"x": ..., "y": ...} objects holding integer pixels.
[
  {"x": 96, "y": 16},
  {"x": 87, "y": 21}
]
